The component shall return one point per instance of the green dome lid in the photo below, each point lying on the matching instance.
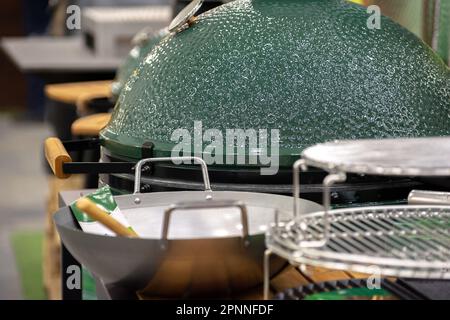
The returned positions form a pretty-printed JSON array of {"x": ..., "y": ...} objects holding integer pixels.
[
  {"x": 144, "y": 42},
  {"x": 310, "y": 68}
]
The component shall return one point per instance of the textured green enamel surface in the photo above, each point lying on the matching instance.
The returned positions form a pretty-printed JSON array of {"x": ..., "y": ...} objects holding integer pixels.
[
  {"x": 307, "y": 67},
  {"x": 133, "y": 59}
]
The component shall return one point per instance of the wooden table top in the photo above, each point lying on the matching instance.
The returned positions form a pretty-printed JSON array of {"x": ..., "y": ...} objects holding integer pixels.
[
  {"x": 71, "y": 93},
  {"x": 291, "y": 277},
  {"x": 90, "y": 125}
]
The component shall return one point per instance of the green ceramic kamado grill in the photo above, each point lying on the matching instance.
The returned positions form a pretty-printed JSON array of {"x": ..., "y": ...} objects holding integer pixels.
[
  {"x": 311, "y": 69},
  {"x": 143, "y": 43}
]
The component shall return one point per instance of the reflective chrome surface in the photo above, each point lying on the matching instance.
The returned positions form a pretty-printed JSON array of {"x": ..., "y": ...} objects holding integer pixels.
[
  {"x": 393, "y": 157},
  {"x": 423, "y": 197},
  {"x": 185, "y": 15},
  {"x": 403, "y": 241}
]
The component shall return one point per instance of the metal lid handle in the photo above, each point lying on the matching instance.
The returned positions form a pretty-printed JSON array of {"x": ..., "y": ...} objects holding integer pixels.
[
  {"x": 329, "y": 180},
  {"x": 200, "y": 161},
  {"x": 210, "y": 204},
  {"x": 299, "y": 164},
  {"x": 186, "y": 16}
]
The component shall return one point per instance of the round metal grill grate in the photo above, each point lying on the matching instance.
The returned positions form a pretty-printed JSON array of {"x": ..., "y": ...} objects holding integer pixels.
[{"x": 403, "y": 241}]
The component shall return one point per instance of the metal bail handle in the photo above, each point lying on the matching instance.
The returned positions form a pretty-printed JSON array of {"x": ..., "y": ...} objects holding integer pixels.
[
  {"x": 200, "y": 161},
  {"x": 212, "y": 204},
  {"x": 329, "y": 180}
]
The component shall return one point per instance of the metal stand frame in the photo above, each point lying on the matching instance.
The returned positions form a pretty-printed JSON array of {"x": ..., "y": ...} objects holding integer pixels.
[{"x": 416, "y": 238}]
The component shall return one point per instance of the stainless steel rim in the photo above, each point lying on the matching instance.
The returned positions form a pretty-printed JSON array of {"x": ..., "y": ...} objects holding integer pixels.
[{"x": 392, "y": 157}]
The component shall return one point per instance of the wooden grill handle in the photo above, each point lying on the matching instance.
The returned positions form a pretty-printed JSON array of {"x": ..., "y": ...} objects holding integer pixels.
[
  {"x": 96, "y": 213},
  {"x": 56, "y": 155},
  {"x": 82, "y": 103}
]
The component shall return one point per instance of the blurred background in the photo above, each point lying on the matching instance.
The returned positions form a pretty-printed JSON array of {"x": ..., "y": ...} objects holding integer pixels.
[{"x": 42, "y": 63}]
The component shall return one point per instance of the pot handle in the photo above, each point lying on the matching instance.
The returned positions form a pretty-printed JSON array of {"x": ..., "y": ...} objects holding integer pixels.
[
  {"x": 63, "y": 166},
  {"x": 96, "y": 213},
  {"x": 200, "y": 161},
  {"x": 207, "y": 204},
  {"x": 56, "y": 155}
]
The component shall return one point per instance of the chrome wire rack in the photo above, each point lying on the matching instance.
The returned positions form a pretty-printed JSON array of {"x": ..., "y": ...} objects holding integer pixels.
[
  {"x": 399, "y": 241},
  {"x": 409, "y": 241}
]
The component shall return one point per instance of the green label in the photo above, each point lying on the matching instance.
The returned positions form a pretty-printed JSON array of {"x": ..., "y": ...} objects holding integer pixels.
[{"x": 102, "y": 197}]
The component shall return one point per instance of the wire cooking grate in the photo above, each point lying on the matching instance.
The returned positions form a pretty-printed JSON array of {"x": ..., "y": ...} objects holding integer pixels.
[{"x": 406, "y": 241}]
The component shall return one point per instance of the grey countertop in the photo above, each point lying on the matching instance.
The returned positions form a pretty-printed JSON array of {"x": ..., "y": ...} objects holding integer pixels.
[{"x": 56, "y": 54}]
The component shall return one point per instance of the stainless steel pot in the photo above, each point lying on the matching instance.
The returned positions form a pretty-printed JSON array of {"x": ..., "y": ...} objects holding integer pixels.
[{"x": 192, "y": 243}]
